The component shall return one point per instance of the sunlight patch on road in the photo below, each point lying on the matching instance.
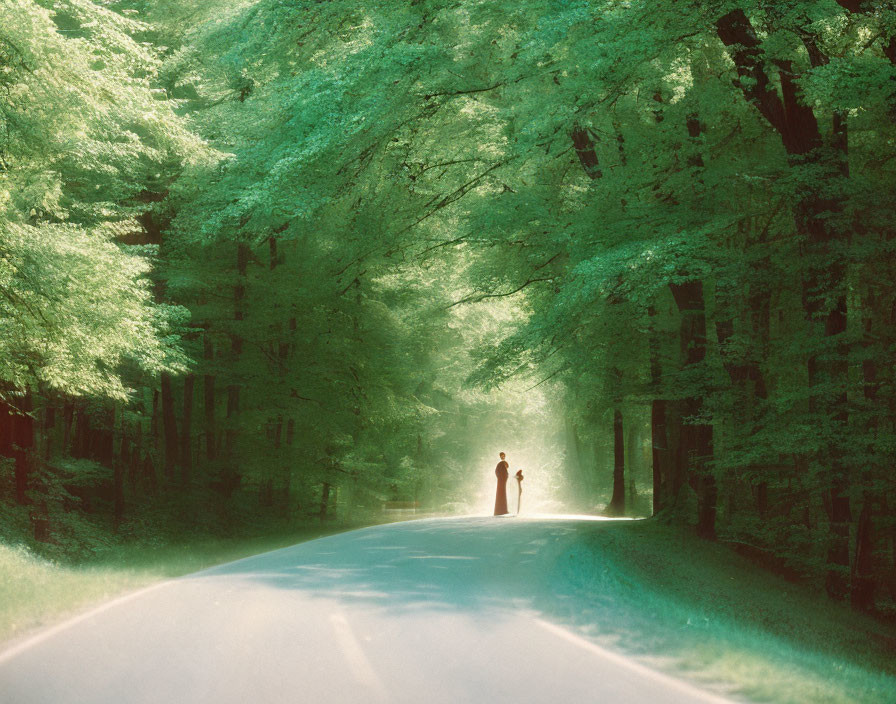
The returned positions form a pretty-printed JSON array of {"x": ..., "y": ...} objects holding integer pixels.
[
  {"x": 571, "y": 517},
  {"x": 357, "y": 660},
  {"x": 551, "y": 517}
]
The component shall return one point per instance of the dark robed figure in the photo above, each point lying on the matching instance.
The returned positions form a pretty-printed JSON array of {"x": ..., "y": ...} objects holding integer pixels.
[{"x": 501, "y": 497}]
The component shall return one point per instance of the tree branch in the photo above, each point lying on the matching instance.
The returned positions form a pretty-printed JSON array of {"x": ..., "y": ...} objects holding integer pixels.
[
  {"x": 793, "y": 120},
  {"x": 476, "y": 298},
  {"x": 449, "y": 93}
]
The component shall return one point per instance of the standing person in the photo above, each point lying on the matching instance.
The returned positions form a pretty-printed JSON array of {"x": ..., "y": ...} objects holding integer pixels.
[
  {"x": 501, "y": 472},
  {"x": 519, "y": 489}
]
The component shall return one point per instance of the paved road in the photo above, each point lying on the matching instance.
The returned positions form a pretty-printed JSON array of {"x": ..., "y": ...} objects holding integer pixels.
[{"x": 438, "y": 610}]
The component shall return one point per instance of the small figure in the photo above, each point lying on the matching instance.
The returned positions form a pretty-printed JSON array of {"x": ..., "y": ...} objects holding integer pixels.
[
  {"x": 519, "y": 488},
  {"x": 501, "y": 473}
]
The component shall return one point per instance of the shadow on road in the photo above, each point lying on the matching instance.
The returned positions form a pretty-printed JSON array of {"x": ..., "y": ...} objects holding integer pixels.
[{"x": 442, "y": 563}]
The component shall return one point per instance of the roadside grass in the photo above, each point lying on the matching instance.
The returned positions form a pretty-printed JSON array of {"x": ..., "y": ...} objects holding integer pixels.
[
  {"x": 36, "y": 592},
  {"x": 702, "y": 611}
]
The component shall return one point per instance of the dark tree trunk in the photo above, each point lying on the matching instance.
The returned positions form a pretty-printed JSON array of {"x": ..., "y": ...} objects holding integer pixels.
[
  {"x": 696, "y": 444},
  {"x": 661, "y": 460},
  {"x": 233, "y": 390},
  {"x": 106, "y": 438},
  {"x": 186, "y": 449},
  {"x": 169, "y": 425},
  {"x": 272, "y": 250},
  {"x": 324, "y": 502},
  {"x": 68, "y": 416},
  {"x": 118, "y": 464},
  {"x": 154, "y": 423},
  {"x": 862, "y": 576},
  {"x": 24, "y": 443},
  {"x": 208, "y": 384},
  {"x": 287, "y": 468},
  {"x": 584, "y": 146},
  {"x": 48, "y": 431},
  {"x": 661, "y": 453},
  {"x": 81, "y": 433},
  {"x": 631, "y": 451},
  {"x": 617, "y": 503},
  {"x": 233, "y": 409},
  {"x": 136, "y": 464},
  {"x": 7, "y": 426},
  {"x": 149, "y": 472},
  {"x": 275, "y": 435},
  {"x": 862, "y": 587}
]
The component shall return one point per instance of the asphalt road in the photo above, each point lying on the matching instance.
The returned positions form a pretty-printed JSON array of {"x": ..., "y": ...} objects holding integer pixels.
[{"x": 438, "y": 610}]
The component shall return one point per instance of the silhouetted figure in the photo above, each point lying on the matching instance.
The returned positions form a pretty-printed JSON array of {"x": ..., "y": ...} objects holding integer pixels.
[
  {"x": 501, "y": 472},
  {"x": 519, "y": 489}
]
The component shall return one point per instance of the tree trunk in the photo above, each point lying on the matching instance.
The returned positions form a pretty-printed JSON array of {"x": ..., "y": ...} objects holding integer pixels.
[
  {"x": 862, "y": 576},
  {"x": 154, "y": 426},
  {"x": 287, "y": 467},
  {"x": 324, "y": 502},
  {"x": 136, "y": 463},
  {"x": 7, "y": 429},
  {"x": 862, "y": 586},
  {"x": 617, "y": 503},
  {"x": 68, "y": 416},
  {"x": 208, "y": 383},
  {"x": 574, "y": 466},
  {"x": 48, "y": 429},
  {"x": 233, "y": 410},
  {"x": 186, "y": 450},
  {"x": 631, "y": 450},
  {"x": 169, "y": 426},
  {"x": 661, "y": 452},
  {"x": 118, "y": 461},
  {"x": 23, "y": 442},
  {"x": 80, "y": 447},
  {"x": 233, "y": 390},
  {"x": 661, "y": 460},
  {"x": 696, "y": 445},
  {"x": 17, "y": 441}
]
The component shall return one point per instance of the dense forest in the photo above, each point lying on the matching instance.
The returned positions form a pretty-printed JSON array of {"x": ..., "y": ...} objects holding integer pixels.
[{"x": 272, "y": 261}]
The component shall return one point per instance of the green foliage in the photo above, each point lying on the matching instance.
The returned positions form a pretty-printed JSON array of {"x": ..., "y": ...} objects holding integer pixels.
[{"x": 85, "y": 139}]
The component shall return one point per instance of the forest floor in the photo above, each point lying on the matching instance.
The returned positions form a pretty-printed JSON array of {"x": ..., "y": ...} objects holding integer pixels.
[{"x": 640, "y": 588}]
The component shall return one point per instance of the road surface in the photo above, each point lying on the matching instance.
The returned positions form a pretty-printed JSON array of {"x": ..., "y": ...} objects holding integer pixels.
[{"x": 437, "y": 610}]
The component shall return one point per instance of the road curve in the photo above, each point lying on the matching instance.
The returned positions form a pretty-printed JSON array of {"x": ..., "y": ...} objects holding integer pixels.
[{"x": 437, "y": 610}]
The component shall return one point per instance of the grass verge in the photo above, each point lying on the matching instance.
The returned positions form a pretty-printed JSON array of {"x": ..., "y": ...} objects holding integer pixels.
[
  {"x": 700, "y": 610},
  {"x": 36, "y": 592}
]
